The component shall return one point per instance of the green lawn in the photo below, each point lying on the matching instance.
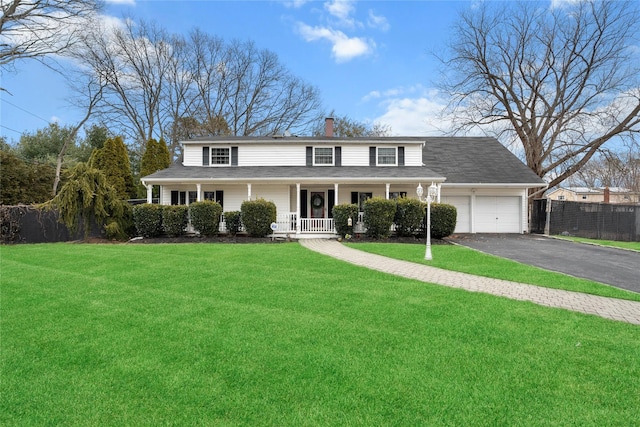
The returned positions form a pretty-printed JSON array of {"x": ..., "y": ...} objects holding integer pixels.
[
  {"x": 624, "y": 245},
  {"x": 274, "y": 334},
  {"x": 460, "y": 258}
]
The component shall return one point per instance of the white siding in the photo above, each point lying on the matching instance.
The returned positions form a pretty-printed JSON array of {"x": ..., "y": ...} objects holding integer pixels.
[
  {"x": 413, "y": 155},
  {"x": 192, "y": 155},
  {"x": 462, "y": 204},
  {"x": 278, "y": 194},
  {"x": 272, "y": 155},
  {"x": 355, "y": 155}
]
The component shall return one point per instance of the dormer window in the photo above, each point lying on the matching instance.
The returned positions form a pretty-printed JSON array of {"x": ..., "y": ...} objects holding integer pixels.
[
  {"x": 387, "y": 156},
  {"x": 323, "y": 156},
  {"x": 220, "y": 156}
]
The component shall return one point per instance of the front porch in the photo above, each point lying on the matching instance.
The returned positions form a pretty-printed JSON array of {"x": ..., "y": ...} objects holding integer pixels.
[{"x": 287, "y": 225}]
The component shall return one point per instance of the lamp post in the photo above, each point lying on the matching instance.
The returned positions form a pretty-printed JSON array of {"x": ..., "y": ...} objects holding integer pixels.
[{"x": 431, "y": 196}]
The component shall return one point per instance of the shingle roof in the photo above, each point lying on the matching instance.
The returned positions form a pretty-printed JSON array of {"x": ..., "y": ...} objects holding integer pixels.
[
  {"x": 351, "y": 173},
  {"x": 475, "y": 160},
  {"x": 460, "y": 160}
]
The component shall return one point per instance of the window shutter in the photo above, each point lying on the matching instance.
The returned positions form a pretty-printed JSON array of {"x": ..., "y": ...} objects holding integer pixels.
[
  {"x": 331, "y": 196},
  {"x": 234, "y": 156},
  {"x": 303, "y": 204},
  {"x": 220, "y": 197},
  {"x": 309, "y": 156},
  {"x": 338, "y": 156},
  {"x": 205, "y": 156},
  {"x": 400, "y": 156},
  {"x": 372, "y": 156},
  {"x": 354, "y": 197}
]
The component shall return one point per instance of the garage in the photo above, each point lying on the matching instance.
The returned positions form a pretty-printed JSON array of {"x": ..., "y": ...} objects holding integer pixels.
[
  {"x": 463, "y": 222},
  {"x": 497, "y": 214}
]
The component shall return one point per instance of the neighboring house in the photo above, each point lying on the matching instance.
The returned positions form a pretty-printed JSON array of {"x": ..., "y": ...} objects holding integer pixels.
[
  {"x": 595, "y": 195},
  {"x": 306, "y": 176}
]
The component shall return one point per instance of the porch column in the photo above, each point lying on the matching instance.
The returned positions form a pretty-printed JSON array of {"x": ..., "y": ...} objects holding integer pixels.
[
  {"x": 199, "y": 190},
  {"x": 335, "y": 194},
  {"x": 149, "y": 193},
  {"x": 249, "y": 191},
  {"x": 439, "y": 188},
  {"x": 297, "y": 208},
  {"x": 386, "y": 196}
]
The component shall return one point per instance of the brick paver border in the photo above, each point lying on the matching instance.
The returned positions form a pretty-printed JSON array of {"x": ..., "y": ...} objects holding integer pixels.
[{"x": 608, "y": 308}]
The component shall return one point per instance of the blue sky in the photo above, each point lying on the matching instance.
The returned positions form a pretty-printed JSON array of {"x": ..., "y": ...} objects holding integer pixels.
[{"x": 370, "y": 60}]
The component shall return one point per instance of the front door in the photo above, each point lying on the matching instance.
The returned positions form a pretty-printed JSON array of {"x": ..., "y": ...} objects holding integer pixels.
[{"x": 317, "y": 204}]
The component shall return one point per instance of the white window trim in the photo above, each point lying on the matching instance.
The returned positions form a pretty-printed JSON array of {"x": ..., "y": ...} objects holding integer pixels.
[
  {"x": 333, "y": 157},
  {"x": 386, "y": 164},
  {"x": 218, "y": 165}
]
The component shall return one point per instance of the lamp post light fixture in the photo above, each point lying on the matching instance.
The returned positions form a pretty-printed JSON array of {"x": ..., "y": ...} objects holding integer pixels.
[{"x": 431, "y": 197}]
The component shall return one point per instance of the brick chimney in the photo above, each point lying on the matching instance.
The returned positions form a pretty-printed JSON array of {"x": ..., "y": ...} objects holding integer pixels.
[
  {"x": 607, "y": 194},
  {"x": 328, "y": 127}
]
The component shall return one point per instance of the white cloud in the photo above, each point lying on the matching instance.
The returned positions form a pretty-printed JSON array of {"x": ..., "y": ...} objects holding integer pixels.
[
  {"x": 411, "y": 111},
  {"x": 379, "y": 22},
  {"x": 556, "y": 4},
  {"x": 344, "y": 48},
  {"x": 341, "y": 9}
]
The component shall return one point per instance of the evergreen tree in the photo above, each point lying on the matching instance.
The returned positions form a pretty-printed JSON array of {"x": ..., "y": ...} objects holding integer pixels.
[
  {"x": 87, "y": 196},
  {"x": 24, "y": 182},
  {"x": 113, "y": 161},
  {"x": 156, "y": 157}
]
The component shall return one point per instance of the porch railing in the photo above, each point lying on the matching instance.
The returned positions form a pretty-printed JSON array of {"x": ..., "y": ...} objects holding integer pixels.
[{"x": 286, "y": 223}]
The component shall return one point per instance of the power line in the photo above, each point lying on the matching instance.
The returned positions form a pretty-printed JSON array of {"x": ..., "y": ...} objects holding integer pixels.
[
  {"x": 26, "y": 111},
  {"x": 12, "y": 130}
]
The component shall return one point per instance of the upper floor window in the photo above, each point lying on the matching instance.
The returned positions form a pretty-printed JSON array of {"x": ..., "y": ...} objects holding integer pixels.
[
  {"x": 220, "y": 156},
  {"x": 323, "y": 156},
  {"x": 560, "y": 197},
  {"x": 386, "y": 156}
]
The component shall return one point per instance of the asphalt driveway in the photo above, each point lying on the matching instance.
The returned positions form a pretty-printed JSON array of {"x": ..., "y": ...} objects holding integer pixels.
[{"x": 616, "y": 267}]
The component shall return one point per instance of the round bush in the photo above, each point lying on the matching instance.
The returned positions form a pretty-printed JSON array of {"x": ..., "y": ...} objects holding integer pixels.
[
  {"x": 175, "y": 220},
  {"x": 341, "y": 215},
  {"x": 147, "y": 219},
  {"x": 378, "y": 217},
  {"x": 233, "y": 222},
  {"x": 257, "y": 216},
  {"x": 205, "y": 217},
  {"x": 409, "y": 216},
  {"x": 443, "y": 220}
]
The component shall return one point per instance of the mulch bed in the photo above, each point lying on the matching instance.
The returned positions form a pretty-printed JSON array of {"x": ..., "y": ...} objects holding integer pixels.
[{"x": 242, "y": 238}]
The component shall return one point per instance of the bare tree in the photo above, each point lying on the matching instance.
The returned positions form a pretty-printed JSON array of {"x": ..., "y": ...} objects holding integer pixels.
[
  {"x": 559, "y": 82},
  {"x": 349, "y": 128},
  {"x": 92, "y": 89},
  {"x": 616, "y": 167},
  {"x": 167, "y": 85},
  {"x": 39, "y": 28}
]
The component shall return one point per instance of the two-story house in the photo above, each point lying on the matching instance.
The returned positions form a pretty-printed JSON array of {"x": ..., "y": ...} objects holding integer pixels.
[{"x": 306, "y": 176}]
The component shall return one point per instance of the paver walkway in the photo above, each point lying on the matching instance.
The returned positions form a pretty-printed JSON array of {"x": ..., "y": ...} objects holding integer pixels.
[{"x": 609, "y": 308}]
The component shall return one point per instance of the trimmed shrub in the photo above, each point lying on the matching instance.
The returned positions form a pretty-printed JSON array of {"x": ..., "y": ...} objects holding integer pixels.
[
  {"x": 233, "y": 221},
  {"x": 175, "y": 220},
  {"x": 205, "y": 217},
  {"x": 409, "y": 216},
  {"x": 147, "y": 219},
  {"x": 341, "y": 215},
  {"x": 443, "y": 219},
  {"x": 378, "y": 217},
  {"x": 257, "y": 216}
]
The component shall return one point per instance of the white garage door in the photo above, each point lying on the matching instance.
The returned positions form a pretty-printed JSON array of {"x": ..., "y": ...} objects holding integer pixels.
[
  {"x": 497, "y": 214},
  {"x": 463, "y": 223}
]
